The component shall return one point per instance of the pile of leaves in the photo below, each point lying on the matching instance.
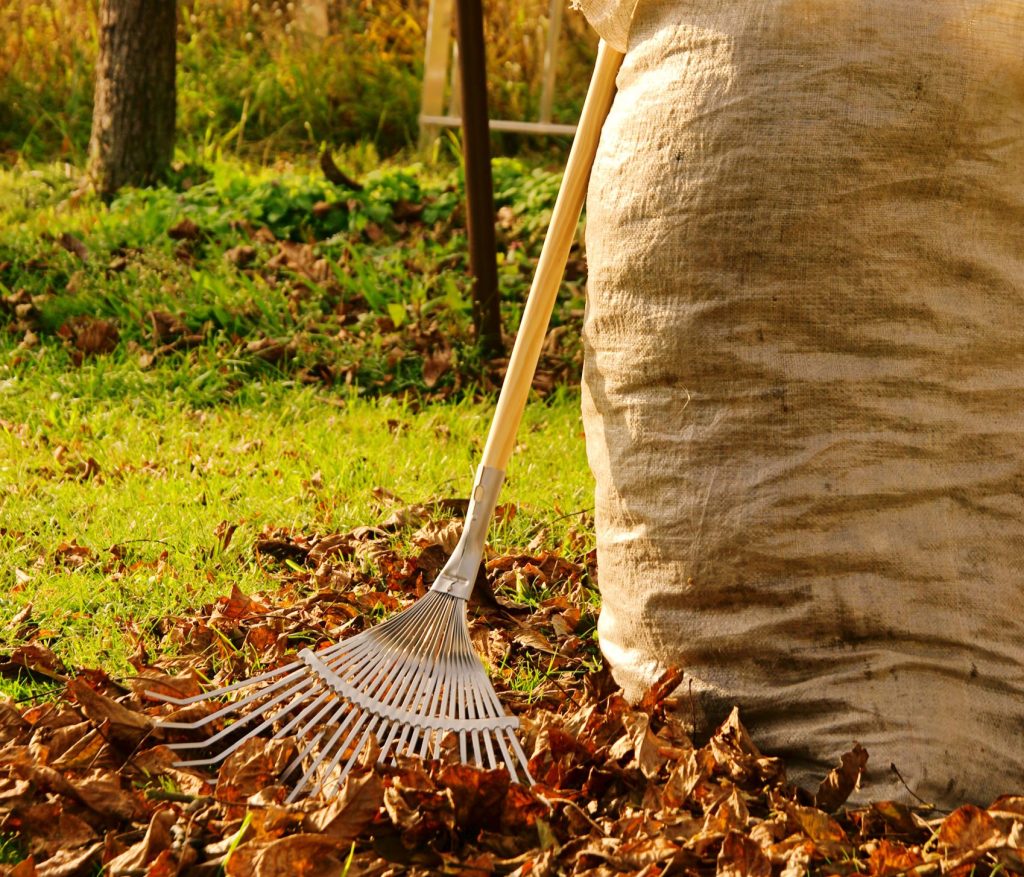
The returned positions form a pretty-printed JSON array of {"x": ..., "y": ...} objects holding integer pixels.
[{"x": 87, "y": 780}]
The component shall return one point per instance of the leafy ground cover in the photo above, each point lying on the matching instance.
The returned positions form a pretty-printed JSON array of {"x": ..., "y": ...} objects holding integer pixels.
[
  {"x": 116, "y": 512},
  {"x": 238, "y": 417},
  {"x": 87, "y": 781},
  {"x": 277, "y": 273}
]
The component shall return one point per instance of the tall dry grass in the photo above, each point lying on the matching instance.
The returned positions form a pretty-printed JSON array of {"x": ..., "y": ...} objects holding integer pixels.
[{"x": 249, "y": 81}]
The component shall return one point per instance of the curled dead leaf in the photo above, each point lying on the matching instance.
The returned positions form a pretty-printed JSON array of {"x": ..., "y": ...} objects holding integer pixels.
[{"x": 843, "y": 780}]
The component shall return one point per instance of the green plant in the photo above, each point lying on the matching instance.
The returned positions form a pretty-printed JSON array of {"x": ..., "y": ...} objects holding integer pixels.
[{"x": 11, "y": 849}]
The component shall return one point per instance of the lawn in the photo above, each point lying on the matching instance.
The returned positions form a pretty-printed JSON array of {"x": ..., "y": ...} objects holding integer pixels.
[
  {"x": 114, "y": 510},
  {"x": 230, "y": 354}
]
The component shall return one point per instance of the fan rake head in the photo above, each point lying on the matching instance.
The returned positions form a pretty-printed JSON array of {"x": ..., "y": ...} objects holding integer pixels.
[{"x": 410, "y": 681}]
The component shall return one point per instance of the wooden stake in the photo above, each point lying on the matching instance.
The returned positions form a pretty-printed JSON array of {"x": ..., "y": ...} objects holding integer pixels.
[{"x": 476, "y": 153}]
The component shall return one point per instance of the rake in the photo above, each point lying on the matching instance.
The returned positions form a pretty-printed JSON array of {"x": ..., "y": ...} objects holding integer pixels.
[{"x": 414, "y": 680}]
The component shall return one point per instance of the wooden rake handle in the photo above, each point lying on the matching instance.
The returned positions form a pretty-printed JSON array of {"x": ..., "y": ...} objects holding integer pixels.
[{"x": 554, "y": 254}]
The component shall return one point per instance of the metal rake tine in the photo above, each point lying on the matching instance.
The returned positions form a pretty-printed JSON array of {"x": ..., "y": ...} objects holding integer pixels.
[
  {"x": 233, "y": 707},
  {"x": 500, "y": 740},
  {"x": 367, "y": 641},
  {"x": 474, "y": 739},
  {"x": 492, "y": 762},
  {"x": 296, "y": 693},
  {"x": 295, "y": 762},
  {"x": 376, "y": 673},
  {"x": 293, "y": 667},
  {"x": 227, "y": 689},
  {"x": 487, "y": 703},
  {"x": 418, "y": 698},
  {"x": 410, "y": 745},
  {"x": 386, "y": 745},
  {"x": 312, "y": 705},
  {"x": 364, "y": 716},
  {"x": 370, "y": 655},
  {"x": 322, "y": 754},
  {"x": 357, "y": 749},
  {"x": 520, "y": 754},
  {"x": 253, "y": 732},
  {"x": 400, "y": 745},
  {"x": 425, "y": 747},
  {"x": 402, "y": 673}
]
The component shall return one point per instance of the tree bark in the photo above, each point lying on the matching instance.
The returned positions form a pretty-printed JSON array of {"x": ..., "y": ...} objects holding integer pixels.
[
  {"x": 132, "y": 140},
  {"x": 476, "y": 152}
]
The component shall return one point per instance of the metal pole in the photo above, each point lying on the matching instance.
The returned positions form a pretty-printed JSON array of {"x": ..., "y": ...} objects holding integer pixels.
[{"x": 479, "y": 184}]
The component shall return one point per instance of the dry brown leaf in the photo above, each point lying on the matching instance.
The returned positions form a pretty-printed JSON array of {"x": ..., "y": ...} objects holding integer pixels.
[
  {"x": 301, "y": 855},
  {"x": 90, "y": 335},
  {"x": 843, "y": 780},
  {"x": 435, "y": 365},
  {"x": 257, "y": 763},
  {"x": 688, "y": 772},
  {"x": 969, "y": 832},
  {"x": 820, "y": 828},
  {"x": 125, "y": 726},
  {"x": 69, "y": 863},
  {"x": 742, "y": 857},
  {"x": 49, "y": 828},
  {"x": 184, "y": 229},
  {"x": 477, "y": 795},
  {"x": 646, "y": 747},
  {"x": 102, "y": 792},
  {"x": 139, "y": 856},
  {"x": 12, "y": 725},
  {"x": 890, "y": 859},
  {"x": 442, "y": 533},
  {"x": 350, "y": 810}
]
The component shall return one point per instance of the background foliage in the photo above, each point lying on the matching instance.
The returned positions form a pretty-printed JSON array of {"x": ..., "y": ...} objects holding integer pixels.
[{"x": 249, "y": 82}]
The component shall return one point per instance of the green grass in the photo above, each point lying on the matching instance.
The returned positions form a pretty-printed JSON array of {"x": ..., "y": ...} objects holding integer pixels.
[
  {"x": 118, "y": 467},
  {"x": 136, "y": 540},
  {"x": 11, "y": 849},
  {"x": 388, "y": 292}
]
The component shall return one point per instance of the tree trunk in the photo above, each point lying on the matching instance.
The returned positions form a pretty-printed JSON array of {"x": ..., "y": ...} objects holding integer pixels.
[
  {"x": 132, "y": 138},
  {"x": 476, "y": 153}
]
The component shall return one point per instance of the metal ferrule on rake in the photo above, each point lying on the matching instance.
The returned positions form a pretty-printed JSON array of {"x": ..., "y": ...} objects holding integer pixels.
[
  {"x": 459, "y": 574},
  {"x": 414, "y": 681}
]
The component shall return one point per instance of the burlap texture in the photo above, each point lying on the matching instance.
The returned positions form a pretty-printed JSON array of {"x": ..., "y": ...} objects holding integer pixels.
[{"x": 804, "y": 379}]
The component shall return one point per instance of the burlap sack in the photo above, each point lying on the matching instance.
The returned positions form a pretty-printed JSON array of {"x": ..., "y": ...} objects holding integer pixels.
[{"x": 804, "y": 379}]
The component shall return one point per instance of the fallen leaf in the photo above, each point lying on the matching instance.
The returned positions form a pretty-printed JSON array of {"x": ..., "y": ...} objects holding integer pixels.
[
  {"x": 139, "y": 856},
  {"x": 301, "y": 855},
  {"x": 184, "y": 229},
  {"x": 890, "y": 859},
  {"x": 73, "y": 245},
  {"x": 742, "y": 857},
  {"x": 969, "y": 831},
  {"x": 125, "y": 726},
  {"x": 254, "y": 765},
  {"x": 351, "y": 809},
  {"x": 69, "y": 863},
  {"x": 646, "y": 747},
  {"x": 842, "y": 780}
]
